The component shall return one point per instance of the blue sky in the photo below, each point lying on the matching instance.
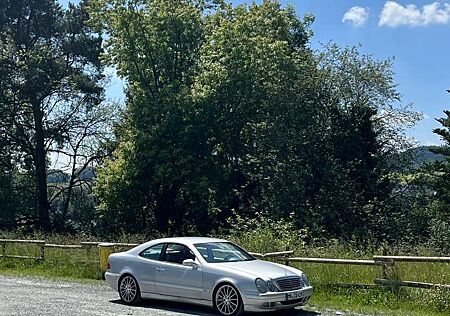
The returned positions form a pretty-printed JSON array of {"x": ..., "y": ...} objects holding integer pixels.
[{"x": 415, "y": 33}]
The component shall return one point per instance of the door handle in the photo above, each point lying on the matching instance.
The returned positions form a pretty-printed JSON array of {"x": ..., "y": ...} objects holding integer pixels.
[{"x": 159, "y": 269}]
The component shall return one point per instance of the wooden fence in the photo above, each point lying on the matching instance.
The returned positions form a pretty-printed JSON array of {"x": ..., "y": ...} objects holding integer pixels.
[
  {"x": 389, "y": 271},
  {"x": 41, "y": 246},
  {"x": 389, "y": 268},
  {"x": 39, "y": 243}
]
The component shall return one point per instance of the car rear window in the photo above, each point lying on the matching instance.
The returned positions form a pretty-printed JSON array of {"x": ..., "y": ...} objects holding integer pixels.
[{"x": 153, "y": 253}]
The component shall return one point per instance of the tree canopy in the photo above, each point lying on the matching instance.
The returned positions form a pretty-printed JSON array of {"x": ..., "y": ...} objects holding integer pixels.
[
  {"x": 230, "y": 112},
  {"x": 51, "y": 73}
]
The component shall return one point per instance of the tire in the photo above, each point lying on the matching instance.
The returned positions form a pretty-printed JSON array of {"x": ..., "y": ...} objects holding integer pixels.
[
  {"x": 228, "y": 301},
  {"x": 129, "y": 291}
]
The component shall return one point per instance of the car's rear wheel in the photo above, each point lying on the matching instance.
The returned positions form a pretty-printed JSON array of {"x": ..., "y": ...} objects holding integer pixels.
[
  {"x": 129, "y": 291},
  {"x": 227, "y": 301}
]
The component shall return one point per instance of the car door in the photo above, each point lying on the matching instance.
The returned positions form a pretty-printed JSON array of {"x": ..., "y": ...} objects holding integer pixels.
[
  {"x": 146, "y": 265},
  {"x": 174, "y": 279}
]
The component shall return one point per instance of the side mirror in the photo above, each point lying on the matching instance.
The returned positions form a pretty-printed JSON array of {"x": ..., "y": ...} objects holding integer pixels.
[{"x": 190, "y": 263}]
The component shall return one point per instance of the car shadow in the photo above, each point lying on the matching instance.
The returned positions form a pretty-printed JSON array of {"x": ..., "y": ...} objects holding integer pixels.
[{"x": 191, "y": 309}]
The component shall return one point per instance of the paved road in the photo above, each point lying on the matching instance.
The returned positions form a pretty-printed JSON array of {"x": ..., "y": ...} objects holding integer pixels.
[{"x": 35, "y": 296}]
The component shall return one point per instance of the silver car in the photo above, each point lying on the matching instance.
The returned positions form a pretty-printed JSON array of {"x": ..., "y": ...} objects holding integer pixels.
[{"x": 205, "y": 271}]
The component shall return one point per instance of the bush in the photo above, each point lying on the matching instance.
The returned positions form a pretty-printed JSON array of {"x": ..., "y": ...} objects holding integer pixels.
[
  {"x": 440, "y": 235},
  {"x": 264, "y": 234}
]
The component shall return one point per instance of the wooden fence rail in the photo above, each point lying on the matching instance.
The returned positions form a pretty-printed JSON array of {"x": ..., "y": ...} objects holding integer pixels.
[
  {"x": 421, "y": 285},
  {"x": 39, "y": 243},
  {"x": 63, "y": 246},
  {"x": 335, "y": 261},
  {"x": 389, "y": 271},
  {"x": 390, "y": 275},
  {"x": 389, "y": 265},
  {"x": 413, "y": 259}
]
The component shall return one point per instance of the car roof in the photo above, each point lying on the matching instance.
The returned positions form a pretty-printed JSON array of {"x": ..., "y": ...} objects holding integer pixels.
[
  {"x": 181, "y": 240},
  {"x": 189, "y": 240}
]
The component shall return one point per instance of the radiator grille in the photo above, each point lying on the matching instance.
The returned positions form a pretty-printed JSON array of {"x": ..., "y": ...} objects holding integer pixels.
[{"x": 289, "y": 284}]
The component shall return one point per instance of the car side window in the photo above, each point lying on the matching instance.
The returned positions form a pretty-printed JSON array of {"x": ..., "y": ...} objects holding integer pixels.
[
  {"x": 177, "y": 253},
  {"x": 203, "y": 251},
  {"x": 153, "y": 253}
]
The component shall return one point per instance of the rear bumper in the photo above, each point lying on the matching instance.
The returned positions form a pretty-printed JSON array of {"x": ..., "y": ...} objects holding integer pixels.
[
  {"x": 113, "y": 280},
  {"x": 275, "y": 300}
]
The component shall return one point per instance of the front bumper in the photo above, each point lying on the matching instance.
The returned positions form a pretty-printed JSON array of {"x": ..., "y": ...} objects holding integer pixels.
[{"x": 276, "y": 300}]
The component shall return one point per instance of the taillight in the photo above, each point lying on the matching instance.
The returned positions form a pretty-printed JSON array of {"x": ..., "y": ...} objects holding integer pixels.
[{"x": 108, "y": 266}]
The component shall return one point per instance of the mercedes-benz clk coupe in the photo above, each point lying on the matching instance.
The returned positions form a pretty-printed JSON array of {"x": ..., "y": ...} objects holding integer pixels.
[{"x": 206, "y": 271}]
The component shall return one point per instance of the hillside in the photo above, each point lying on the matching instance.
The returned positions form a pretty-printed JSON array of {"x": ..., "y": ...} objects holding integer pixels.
[{"x": 423, "y": 154}]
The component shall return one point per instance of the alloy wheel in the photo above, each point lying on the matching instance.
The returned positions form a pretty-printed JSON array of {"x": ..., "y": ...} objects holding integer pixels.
[
  {"x": 129, "y": 290},
  {"x": 227, "y": 300}
]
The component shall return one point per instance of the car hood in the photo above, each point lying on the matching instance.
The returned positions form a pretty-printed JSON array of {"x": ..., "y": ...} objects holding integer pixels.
[{"x": 261, "y": 269}]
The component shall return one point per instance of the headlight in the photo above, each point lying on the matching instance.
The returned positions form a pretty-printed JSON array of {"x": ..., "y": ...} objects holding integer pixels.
[
  {"x": 305, "y": 279},
  {"x": 271, "y": 286},
  {"x": 261, "y": 285}
]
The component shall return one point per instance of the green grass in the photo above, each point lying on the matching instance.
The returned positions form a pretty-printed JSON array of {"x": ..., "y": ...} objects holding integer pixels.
[
  {"x": 403, "y": 301},
  {"x": 376, "y": 301},
  {"x": 80, "y": 265},
  {"x": 70, "y": 264},
  {"x": 381, "y": 301}
]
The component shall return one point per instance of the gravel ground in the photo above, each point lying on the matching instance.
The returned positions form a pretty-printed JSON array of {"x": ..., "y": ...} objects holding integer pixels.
[{"x": 36, "y": 296}]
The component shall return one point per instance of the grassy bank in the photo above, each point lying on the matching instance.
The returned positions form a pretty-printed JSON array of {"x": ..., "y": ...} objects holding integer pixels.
[
  {"x": 82, "y": 265},
  {"x": 387, "y": 301}
]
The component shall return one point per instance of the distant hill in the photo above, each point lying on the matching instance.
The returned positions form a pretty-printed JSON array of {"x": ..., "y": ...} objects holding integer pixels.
[
  {"x": 423, "y": 154},
  {"x": 57, "y": 176},
  {"x": 87, "y": 174}
]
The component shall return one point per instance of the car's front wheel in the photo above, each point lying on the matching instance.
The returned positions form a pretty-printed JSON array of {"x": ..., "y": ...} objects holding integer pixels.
[
  {"x": 227, "y": 301},
  {"x": 129, "y": 291}
]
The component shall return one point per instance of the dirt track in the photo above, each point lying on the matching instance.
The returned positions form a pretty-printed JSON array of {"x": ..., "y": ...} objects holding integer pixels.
[{"x": 36, "y": 296}]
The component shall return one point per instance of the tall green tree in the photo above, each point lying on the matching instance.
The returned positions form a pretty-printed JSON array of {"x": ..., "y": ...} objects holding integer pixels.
[
  {"x": 230, "y": 112},
  {"x": 365, "y": 122},
  {"x": 49, "y": 62},
  {"x": 440, "y": 183},
  {"x": 155, "y": 46},
  {"x": 443, "y": 167},
  {"x": 200, "y": 77},
  {"x": 257, "y": 82}
]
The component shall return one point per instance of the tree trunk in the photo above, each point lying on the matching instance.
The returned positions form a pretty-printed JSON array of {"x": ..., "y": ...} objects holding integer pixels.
[
  {"x": 166, "y": 208},
  {"x": 41, "y": 171},
  {"x": 70, "y": 190},
  {"x": 65, "y": 209}
]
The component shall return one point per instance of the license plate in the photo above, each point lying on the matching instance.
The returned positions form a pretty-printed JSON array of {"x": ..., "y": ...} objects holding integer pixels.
[{"x": 293, "y": 296}]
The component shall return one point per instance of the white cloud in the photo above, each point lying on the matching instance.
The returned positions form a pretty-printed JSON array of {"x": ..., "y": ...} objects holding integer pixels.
[
  {"x": 395, "y": 14},
  {"x": 357, "y": 16}
]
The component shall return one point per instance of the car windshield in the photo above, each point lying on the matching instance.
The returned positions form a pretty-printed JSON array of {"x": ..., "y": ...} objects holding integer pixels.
[{"x": 215, "y": 252}]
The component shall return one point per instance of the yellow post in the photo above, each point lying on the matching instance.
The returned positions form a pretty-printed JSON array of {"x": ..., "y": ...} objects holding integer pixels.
[{"x": 105, "y": 249}]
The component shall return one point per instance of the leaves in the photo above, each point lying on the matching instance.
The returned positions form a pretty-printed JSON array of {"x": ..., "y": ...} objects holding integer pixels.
[
  {"x": 229, "y": 112},
  {"x": 51, "y": 76}
]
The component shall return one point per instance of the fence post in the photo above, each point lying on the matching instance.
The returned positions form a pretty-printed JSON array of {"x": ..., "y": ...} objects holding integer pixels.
[
  {"x": 42, "y": 246},
  {"x": 4, "y": 249},
  {"x": 384, "y": 263},
  {"x": 105, "y": 249},
  {"x": 384, "y": 273},
  {"x": 388, "y": 270},
  {"x": 286, "y": 262},
  {"x": 384, "y": 270},
  {"x": 88, "y": 251}
]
